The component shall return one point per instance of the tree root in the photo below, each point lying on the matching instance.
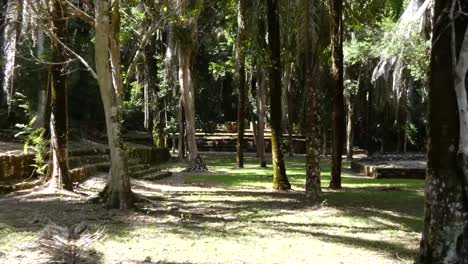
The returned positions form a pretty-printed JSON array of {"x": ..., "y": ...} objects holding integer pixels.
[{"x": 198, "y": 166}]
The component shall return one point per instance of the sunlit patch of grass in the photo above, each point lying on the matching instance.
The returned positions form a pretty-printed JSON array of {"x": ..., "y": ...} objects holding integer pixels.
[{"x": 241, "y": 220}]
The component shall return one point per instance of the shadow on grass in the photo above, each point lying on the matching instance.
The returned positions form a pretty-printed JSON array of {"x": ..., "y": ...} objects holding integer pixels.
[{"x": 236, "y": 213}]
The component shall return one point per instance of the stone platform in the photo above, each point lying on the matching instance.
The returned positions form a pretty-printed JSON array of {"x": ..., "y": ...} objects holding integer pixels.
[{"x": 397, "y": 166}]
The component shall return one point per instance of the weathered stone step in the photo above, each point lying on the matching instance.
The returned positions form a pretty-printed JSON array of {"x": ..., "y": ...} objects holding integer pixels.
[
  {"x": 138, "y": 166},
  {"x": 144, "y": 172},
  {"x": 157, "y": 176},
  {"x": 77, "y": 161},
  {"x": 87, "y": 152},
  {"x": 82, "y": 173}
]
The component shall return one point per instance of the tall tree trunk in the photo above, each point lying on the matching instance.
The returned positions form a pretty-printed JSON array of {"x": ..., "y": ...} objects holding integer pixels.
[
  {"x": 43, "y": 91},
  {"x": 181, "y": 141},
  {"x": 290, "y": 116},
  {"x": 261, "y": 108},
  {"x": 59, "y": 103},
  {"x": 349, "y": 126},
  {"x": 10, "y": 37},
  {"x": 262, "y": 87},
  {"x": 188, "y": 93},
  {"x": 117, "y": 193},
  {"x": 445, "y": 232},
  {"x": 280, "y": 180},
  {"x": 312, "y": 111},
  {"x": 240, "y": 56},
  {"x": 338, "y": 115},
  {"x": 156, "y": 107}
]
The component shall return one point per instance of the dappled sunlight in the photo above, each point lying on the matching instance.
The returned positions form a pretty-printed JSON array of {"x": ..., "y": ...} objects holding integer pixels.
[{"x": 232, "y": 215}]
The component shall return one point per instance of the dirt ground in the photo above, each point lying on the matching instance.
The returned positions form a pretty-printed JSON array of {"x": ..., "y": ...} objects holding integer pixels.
[{"x": 202, "y": 223}]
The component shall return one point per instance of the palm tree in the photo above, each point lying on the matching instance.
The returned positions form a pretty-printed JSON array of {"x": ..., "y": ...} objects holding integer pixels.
[
  {"x": 280, "y": 180},
  {"x": 338, "y": 115}
]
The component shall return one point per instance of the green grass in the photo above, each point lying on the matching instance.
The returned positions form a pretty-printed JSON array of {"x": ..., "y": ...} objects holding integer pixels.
[{"x": 232, "y": 216}]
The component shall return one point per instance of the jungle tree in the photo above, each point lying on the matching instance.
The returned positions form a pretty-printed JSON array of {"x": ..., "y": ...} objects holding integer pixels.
[
  {"x": 187, "y": 34},
  {"x": 280, "y": 180},
  {"x": 117, "y": 193},
  {"x": 309, "y": 44},
  {"x": 445, "y": 235},
  {"x": 262, "y": 82},
  {"x": 338, "y": 115},
  {"x": 59, "y": 98},
  {"x": 240, "y": 56}
]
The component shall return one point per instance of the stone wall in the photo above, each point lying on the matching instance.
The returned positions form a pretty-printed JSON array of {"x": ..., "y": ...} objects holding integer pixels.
[{"x": 16, "y": 165}]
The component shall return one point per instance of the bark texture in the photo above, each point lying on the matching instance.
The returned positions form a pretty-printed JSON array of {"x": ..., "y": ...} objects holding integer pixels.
[
  {"x": 338, "y": 115},
  {"x": 280, "y": 180},
  {"x": 262, "y": 90},
  {"x": 240, "y": 56},
  {"x": 312, "y": 111},
  {"x": 117, "y": 193},
  {"x": 188, "y": 93},
  {"x": 10, "y": 37},
  {"x": 155, "y": 104},
  {"x": 59, "y": 101},
  {"x": 445, "y": 233}
]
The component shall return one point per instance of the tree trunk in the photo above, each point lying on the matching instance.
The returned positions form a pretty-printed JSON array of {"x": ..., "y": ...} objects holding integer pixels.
[
  {"x": 312, "y": 113},
  {"x": 117, "y": 193},
  {"x": 445, "y": 232},
  {"x": 261, "y": 93},
  {"x": 338, "y": 116},
  {"x": 240, "y": 56},
  {"x": 156, "y": 107},
  {"x": 43, "y": 91},
  {"x": 59, "y": 102},
  {"x": 290, "y": 117},
  {"x": 10, "y": 36},
  {"x": 187, "y": 92},
  {"x": 181, "y": 141},
  {"x": 350, "y": 126},
  {"x": 280, "y": 180},
  {"x": 261, "y": 106}
]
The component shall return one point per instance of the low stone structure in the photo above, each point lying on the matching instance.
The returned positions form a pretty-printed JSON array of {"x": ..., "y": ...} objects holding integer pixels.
[
  {"x": 84, "y": 162},
  {"x": 404, "y": 166},
  {"x": 16, "y": 164}
]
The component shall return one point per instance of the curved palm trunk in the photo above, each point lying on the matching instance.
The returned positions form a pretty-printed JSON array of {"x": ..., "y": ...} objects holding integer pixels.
[
  {"x": 338, "y": 115},
  {"x": 242, "y": 81},
  {"x": 59, "y": 102},
  {"x": 117, "y": 193},
  {"x": 280, "y": 180}
]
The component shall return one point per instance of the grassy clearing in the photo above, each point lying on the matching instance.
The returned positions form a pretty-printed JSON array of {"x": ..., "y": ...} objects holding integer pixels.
[{"x": 232, "y": 216}]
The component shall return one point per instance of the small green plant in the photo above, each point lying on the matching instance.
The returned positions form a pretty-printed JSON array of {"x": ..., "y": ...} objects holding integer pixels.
[{"x": 35, "y": 140}]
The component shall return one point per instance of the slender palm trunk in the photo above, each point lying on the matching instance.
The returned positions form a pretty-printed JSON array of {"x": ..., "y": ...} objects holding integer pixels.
[
  {"x": 349, "y": 126},
  {"x": 240, "y": 56},
  {"x": 280, "y": 180},
  {"x": 312, "y": 112},
  {"x": 338, "y": 115},
  {"x": 261, "y": 108}
]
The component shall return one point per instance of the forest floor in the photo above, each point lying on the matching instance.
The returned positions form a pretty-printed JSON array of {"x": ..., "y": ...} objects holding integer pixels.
[{"x": 228, "y": 216}]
